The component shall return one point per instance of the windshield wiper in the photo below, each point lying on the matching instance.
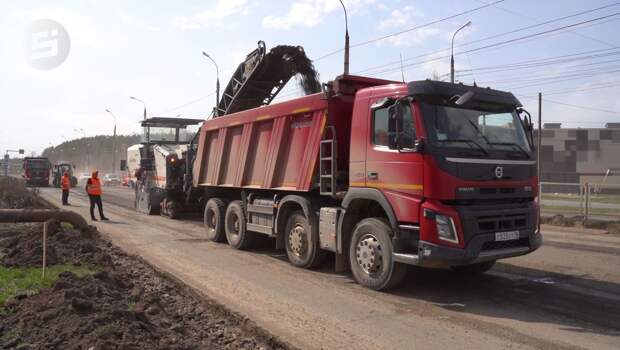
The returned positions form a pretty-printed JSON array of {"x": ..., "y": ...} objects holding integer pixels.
[
  {"x": 478, "y": 131},
  {"x": 468, "y": 141},
  {"x": 518, "y": 147}
]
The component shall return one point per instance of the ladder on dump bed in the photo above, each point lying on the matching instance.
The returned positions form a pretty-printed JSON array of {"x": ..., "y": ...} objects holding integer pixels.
[
  {"x": 257, "y": 80},
  {"x": 327, "y": 163}
]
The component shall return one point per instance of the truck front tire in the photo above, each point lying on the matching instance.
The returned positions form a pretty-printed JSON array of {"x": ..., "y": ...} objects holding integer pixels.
[
  {"x": 235, "y": 227},
  {"x": 301, "y": 241},
  {"x": 370, "y": 256},
  {"x": 215, "y": 209}
]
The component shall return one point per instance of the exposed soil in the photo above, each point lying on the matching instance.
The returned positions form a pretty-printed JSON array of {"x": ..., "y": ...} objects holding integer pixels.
[
  {"x": 124, "y": 304},
  {"x": 14, "y": 195},
  {"x": 612, "y": 227}
]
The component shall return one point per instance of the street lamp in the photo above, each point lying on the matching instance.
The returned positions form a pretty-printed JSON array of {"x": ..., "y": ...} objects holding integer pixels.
[
  {"x": 139, "y": 100},
  {"x": 114, "y": 140},
  {"x": 452, "y": 51},
  {"x": 346, "y": 39},
  {"x": 217, "y": 84}
]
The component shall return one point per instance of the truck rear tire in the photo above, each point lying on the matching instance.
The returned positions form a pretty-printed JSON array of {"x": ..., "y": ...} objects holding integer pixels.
[
  {"x": 301, "y": 241},
  {"x": 474, "y": 269},
  {"x": 215, "y": 209},
  {"x": 370, "y": 256},
  {"x": 235, "y": 226}
]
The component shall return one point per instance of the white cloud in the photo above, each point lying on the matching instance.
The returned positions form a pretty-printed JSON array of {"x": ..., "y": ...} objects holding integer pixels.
[
  {"x": 310, "y": 13},
  {"x": 81, "y": 28},
  {"x": 214, "y": 16},
  {"x": 414, "y": 37},
  {"x": 399, "y": 18},
  {"x": 136, "y": 22}
]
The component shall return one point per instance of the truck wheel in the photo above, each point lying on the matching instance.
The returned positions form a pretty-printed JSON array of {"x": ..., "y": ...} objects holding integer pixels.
[
  {"x": 370, "y": 256},
  {"x": 234, "y": 225},
  {"x": 302, "y": 242},
  {"x": 474, "y": 269},
  {"x": 214, "y": 220}
]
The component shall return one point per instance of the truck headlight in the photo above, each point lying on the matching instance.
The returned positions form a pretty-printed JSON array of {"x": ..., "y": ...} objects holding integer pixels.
[{"x": 446, "y": 229}]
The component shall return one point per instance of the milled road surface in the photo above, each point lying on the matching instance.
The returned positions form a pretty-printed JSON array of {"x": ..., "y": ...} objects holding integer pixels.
[{"x": 564, "y": 296}]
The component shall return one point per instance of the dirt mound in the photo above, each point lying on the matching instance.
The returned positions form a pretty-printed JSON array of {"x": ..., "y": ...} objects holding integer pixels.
[
  {"x": 14, "y": 195},
  {"x": 22, "y": 245},
  {"x": 124, "y": 305}
]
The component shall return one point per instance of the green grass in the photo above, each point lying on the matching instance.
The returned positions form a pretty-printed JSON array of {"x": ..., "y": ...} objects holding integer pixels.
[
  {"x": 576, "y": 210},
  {"x": 14, "y": 281}
]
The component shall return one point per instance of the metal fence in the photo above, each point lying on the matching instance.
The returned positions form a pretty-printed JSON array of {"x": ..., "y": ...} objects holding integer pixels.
[{"x": 591, "y": 201}]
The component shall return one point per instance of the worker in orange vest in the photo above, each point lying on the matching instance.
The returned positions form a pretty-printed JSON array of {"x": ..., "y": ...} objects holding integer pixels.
[
  {"x": 93, "y": 188},
  {"x": 65, "y": 185}
]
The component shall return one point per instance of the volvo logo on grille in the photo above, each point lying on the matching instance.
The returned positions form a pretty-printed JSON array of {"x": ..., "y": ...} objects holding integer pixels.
[{"x": 499, "y": 172}]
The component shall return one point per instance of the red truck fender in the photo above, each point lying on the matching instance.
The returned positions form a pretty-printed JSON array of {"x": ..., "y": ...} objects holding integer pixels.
[{"x": 356, "y": 198}]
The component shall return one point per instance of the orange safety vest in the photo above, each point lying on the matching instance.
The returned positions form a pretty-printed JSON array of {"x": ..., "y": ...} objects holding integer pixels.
[
  {"x": 66, "y": 182},
  {"x": 94, "y": 187}
]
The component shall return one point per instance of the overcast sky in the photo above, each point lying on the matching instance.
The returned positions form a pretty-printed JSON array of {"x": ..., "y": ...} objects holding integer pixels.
[{"x": 152, "y": 50}]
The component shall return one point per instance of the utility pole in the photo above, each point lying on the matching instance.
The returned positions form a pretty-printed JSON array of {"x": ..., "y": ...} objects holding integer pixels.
[
  {"x": 452, "y": 51},
  {"x": 139, "y": 100},
  {"x": 216, "y": 111},
  {"x": 7, "y": 158},
  {"x": 538, "y": 161},
  {"x": 346, "y": 39},
  {"x": 114, "y": 142}
]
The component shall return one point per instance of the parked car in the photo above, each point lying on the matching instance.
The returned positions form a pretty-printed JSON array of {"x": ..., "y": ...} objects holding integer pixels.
[
  {"x": 111, "y": 180},
  {"x": 83, "y": 177}
]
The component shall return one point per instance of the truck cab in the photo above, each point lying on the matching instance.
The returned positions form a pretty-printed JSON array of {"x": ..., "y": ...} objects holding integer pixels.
[
  {"x": 451, "y": 168},
  {"x": 162, "y": 156},
  {"x": 37, "y": 171}
]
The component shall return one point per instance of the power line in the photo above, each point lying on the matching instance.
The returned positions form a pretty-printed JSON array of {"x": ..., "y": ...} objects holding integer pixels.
[
  {"x": 185, "y": 104},
  {"x": 571, "y": 105},
  {"x": 537, "y": 19},
  {"x": 593, "y": 87},
  {"x": 506, "y": 42},
  {"x": 409, "y": 29},
  {"x": 490, "y": 37}
]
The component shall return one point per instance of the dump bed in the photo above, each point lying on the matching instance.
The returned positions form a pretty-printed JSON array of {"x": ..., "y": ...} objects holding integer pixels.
[{"x": 277, "y": 146}]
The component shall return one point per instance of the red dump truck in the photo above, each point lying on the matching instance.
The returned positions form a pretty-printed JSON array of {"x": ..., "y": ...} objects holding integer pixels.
[
  {"x": 381, "y": 173},
  {"x": 37, "y": 171}
]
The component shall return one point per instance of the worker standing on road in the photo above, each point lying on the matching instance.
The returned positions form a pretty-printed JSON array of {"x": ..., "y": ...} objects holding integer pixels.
[
  {"x": 65, "y": 184},
  {"x": 93, "y": 188}
]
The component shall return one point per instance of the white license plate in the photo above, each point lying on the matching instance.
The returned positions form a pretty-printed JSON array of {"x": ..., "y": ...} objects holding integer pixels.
[{"x": 506, "y": 236}]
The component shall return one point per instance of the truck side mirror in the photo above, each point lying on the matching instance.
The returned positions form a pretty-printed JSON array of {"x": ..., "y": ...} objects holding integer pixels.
[
  {"x": 418, "y": 145},
  {"x": 123, "y": 164}
]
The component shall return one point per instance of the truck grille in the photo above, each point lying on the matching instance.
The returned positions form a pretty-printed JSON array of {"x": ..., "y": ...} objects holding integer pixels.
[
  {"x": 523, "y": 242},
  {"x": 502, "y": 222}
]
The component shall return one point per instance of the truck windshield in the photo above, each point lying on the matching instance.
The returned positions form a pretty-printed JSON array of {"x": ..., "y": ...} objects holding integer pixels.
[
  {"x": 37, "y": 164},
  {"x": 479, "y": 130}
]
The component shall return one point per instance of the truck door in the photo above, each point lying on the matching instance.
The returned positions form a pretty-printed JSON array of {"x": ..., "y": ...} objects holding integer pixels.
[{"x": 396, "y": 173}]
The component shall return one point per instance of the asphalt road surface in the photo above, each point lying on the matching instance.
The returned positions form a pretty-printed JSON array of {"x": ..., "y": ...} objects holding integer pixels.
[{"x": 566, "y": 295}]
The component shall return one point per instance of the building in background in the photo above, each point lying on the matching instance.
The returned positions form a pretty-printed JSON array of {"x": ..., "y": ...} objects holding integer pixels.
[{"x": 580, "y": 155}]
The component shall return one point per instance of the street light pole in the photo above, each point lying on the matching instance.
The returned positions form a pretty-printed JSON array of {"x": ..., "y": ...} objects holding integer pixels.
[
  {"x": 139, "y": 100},
  {"x": 452, "y": 51},
  {"x": 346, "y": 39},
  {"x": 114, "y": 141},
  {"x": 217, "y": 84}
]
